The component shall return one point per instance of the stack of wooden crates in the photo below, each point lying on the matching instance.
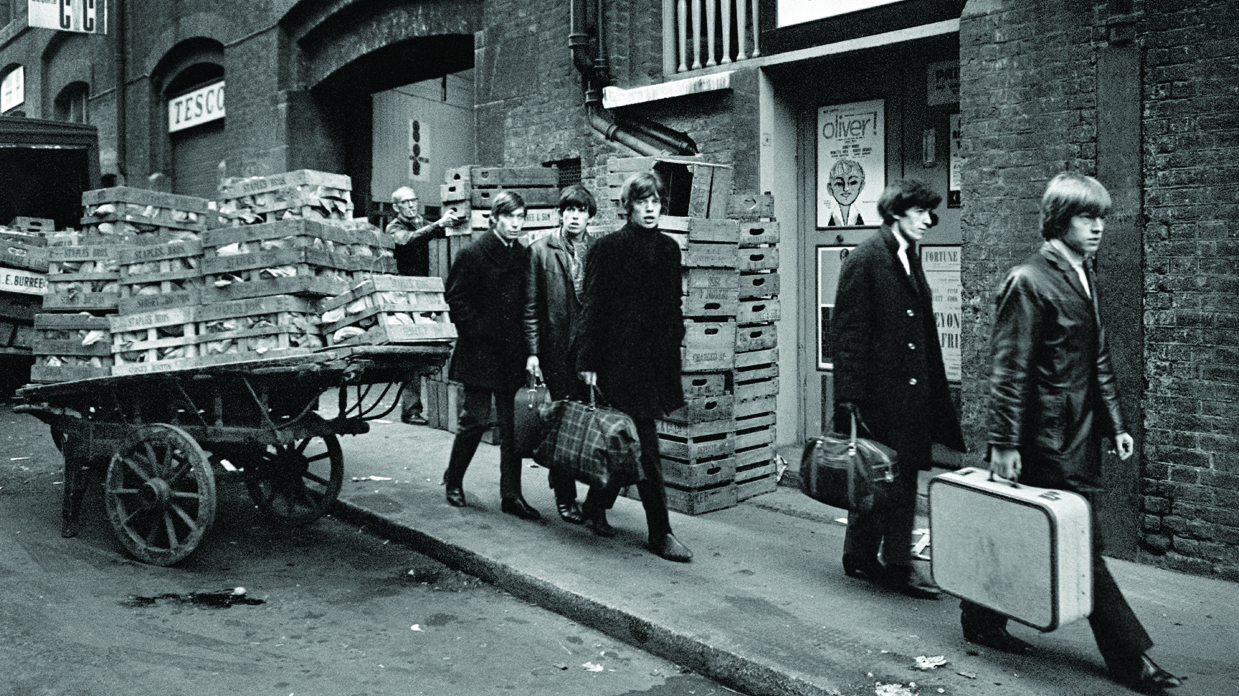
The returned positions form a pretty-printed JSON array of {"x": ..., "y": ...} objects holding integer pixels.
[
  {"x": 23, "y": 278},
  {"x": 718, "y": 449},
  {"x": 135, "y": 246},
  {"x": 469, "y": 192}
]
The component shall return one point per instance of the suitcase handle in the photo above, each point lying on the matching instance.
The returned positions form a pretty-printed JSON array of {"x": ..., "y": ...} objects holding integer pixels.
[{"x": 1014, "y": 482}]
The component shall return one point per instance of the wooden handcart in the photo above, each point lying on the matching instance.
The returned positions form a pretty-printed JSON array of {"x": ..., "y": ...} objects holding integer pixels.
[{"x": 161, "y": 434}]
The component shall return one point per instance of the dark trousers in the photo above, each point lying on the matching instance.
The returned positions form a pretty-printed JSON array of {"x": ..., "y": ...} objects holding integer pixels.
[
  {"x": 888, "y": 526},
  {"x": 1120, "y": 636},
  {"x": 564, "y": 388},
  {"x": 411, "y": 400},
  {"x": 653, "y": 492},
  {"x": 474, "y": 422}
]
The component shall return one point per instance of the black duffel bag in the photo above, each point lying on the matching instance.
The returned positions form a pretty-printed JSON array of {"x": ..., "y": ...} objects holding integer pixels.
[{"x": 850, "y": 473}]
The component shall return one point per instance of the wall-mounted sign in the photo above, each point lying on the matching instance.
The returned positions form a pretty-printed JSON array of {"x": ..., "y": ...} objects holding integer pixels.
[
  {"x": 82, "y": 16},
  {"x": 942, "y": 82},
  {"x": 851, "y": 163},
  {"x": 829, "y": 263},
  {"x": 25, "y": 282},
  {"x": 13, "y": 89},
  {"x": 941, "y": 265},
  {"x": 197, "y": 107},
  {"x": 800, "y": 11},
  {"x": 419, "y": 156}
]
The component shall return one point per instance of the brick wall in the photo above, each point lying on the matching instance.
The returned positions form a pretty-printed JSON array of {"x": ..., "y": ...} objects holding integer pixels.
[
  {"x": 1191, "y": 142},
  {"x": 1028, "y": 111}
]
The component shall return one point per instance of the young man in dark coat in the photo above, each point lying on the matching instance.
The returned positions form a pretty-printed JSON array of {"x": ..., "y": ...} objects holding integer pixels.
[
  {"x": 889, "y": 371},
  {"x": 628, "y": 343},
  {"x": 486, "y": 294},
  {"x": 552, "y": 302},
  {"x": 1053, "y": 398}
]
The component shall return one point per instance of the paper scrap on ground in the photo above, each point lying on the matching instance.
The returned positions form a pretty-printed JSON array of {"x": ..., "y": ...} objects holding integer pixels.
[
  {"x": 927, "y": 663},
  {"x": 591, "y": 667},
  {"x": 371, "y": 478}
]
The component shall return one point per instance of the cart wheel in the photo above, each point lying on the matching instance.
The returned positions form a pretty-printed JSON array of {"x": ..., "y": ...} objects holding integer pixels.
[
  {"x": 297, "y": 483},
  {"x": 160, "y": 494}
]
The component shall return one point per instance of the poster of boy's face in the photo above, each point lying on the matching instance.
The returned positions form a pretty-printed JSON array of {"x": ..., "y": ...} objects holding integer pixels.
[{"x": 847, "y": 179}]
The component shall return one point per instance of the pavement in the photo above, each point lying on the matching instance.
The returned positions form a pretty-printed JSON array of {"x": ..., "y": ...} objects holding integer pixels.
[{"x": 764, "y": 607}]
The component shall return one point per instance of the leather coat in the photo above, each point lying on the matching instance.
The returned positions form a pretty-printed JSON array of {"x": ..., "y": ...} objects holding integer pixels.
[
  {"x": 551, "y": 308},
  {"x": 1052, "y": 389}
]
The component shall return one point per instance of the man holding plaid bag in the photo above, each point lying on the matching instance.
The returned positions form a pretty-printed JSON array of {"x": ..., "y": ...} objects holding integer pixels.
[{"x": 627, "y": 342}]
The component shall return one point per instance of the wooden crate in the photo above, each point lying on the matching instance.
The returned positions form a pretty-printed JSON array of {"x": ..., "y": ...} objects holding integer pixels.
[
  {"x": 23, "y": 254},
  {"x": 699, "y": 473},
  {"x": 750, "y": 206},
  {"x": 701, "y": 384},
  {"x": 755, "y": 431},
  {"x": 756, "y": 233},
  {"x": 758, "y": 259},
  {"x": 214, "y": 334},
  {"x": 389, "y": 309},
  {"x": 761, "y": 310},
  {"x": 170, "y": 272},
  {"x": 711, "y": 293},
  {"x": 754, "y": 407},
  {"x": 694, "y": 501},
  {"x": 709, "y": 346},
  {"x": 70, "y": 347},
  {"x": 303, "y": 194},
  {"x": 32, "y": 224},
  {"x": 704, "y": 243},
  {"x": 696, "y": 441},
  {"x": 292, "y": 257},
  {"x": 22, "y": 237},
  {"x": 84, "y": 278},
  {"x": 758, "y": 284},
  {"x": 702, "y": 409},
  {"x": 473, "y": 176},
  {"x": 133, "y": 212},
  {"x": 758, "y": 485},
  {"x": 20, "y": 307},
  {"x": 756, "y": 337}
]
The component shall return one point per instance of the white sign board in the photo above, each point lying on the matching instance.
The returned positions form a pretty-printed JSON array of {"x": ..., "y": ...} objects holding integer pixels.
[
  {"x": 197, "y": 107},
  {"x": 851, "y": 163},
  {"x": 25, "y": 282},
  {"x": 13, "y": 89},
  {"x": 800, "y": 11},
  {"x": 82, "y": 16},
  {"x": 941, "y": 264}
]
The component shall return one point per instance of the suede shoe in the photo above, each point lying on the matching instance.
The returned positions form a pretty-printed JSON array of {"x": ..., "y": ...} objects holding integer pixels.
[
  {"x": 517, "y": 507},
  {"x": 670, "y": 548}
]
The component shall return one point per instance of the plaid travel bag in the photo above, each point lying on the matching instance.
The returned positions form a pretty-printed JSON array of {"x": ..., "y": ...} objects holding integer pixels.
[{"x": 593, "y": 444}]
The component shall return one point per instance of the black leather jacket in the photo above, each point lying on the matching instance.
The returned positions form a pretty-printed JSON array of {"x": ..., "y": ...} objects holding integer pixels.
[{"x": 1052, "y": 390}]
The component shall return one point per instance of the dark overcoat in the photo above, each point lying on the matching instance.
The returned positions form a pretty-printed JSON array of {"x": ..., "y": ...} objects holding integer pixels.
[
  {"x": 551, "y": 309},
  {"x": 632, "y": 324},
  {"x": 1052, "y": 389},
  {"x": 888, "y": 359},
  {"x": 486, "y": 294}
]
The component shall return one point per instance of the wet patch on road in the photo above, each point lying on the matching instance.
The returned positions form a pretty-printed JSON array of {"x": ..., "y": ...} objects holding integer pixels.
[{"x": 205, "y": 600}]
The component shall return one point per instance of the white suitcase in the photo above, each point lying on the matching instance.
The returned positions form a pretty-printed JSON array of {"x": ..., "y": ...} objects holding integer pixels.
[{"x": 1024, "y": 552}]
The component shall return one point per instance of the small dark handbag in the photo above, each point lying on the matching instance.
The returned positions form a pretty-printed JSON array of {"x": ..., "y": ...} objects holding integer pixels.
[
  {"x": 529, "y": 428},
  {"x": 851, "y": 474},
  {"x": 593, "y": 444}
]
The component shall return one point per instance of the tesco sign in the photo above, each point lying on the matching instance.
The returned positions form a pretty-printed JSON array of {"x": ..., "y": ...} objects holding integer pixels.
[{"x": 197, "y": 107}]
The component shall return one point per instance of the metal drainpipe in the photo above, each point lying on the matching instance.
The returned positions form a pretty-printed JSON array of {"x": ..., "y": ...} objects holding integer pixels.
[
  {"x": 645, "y": 137},
  {"x": 118, "y": 28}
]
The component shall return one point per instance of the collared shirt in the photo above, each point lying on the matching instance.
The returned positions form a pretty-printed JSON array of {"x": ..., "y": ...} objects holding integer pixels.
[
  {"x": 506, "y": 242},
  {"x": 903, "y": 251},
  {"x": 1076, "y": 261},
  {"x": 575, "y": 265}
]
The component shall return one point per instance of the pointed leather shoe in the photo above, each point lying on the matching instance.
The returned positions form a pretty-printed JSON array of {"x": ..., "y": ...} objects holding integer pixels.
[
  {"x": 670, "y": 548},
  {"x": 870, "y": 569},
  {"x": 1150, "y": 679},
  {"x": 907, "y": 581},
  {"x": 570, "y": 512},
  {"x": 519, "y": 508},
  {"x": 455, "y": 496},
  {"x": 597, "y": 523},
  {"x": 996, "y": 637}
]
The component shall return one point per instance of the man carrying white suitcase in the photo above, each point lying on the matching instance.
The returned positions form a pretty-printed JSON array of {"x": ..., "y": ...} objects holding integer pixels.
[{"x": 1052, "y": 399}]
